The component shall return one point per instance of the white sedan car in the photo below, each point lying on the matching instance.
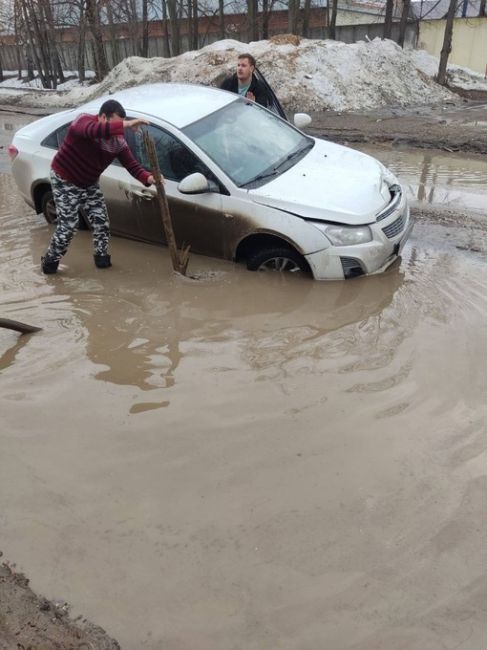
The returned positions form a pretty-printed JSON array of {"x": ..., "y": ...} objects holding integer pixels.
[{"x": 242, "y": 183}]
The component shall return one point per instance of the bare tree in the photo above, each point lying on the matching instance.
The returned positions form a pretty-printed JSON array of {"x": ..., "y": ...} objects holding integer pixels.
[
  {"x": 70, "y": 14},
  {"x": 53, "y": 52},
  {"x": 221, "y": 18},
  {"x": 165, "y": 44},
  {"x": 306, "y": 18},
  {"x": 81, "y": 43},
  {"x": 18, "y": 37},
  {"x": 189, "y": 13},
  {"x": 30, "y": 64},
  {"x": 447, "y": 40},
  {"x": 41, "y": 42},
  {"x": 482, "y": 9},
  {"x": 293, "y": 16},
  {"x": 253, "y": 24},
  {"x": 333, "y": 20},
  {"x": 1, "y": 67},
  {"x": 173, "y": 11},
  {"x": 144, "y": 49},
  {"x": 388, "y": 18},
  {"x": 267, "y": 8},
  {"x": 127, "y": 12},
  {"x": 404, "y": 21},
  {"x": 29, "y": 23},
  {"x": 196, "y": 28},
  {"x": 112, "y": 30},
  {"x": 93, "y": 19}
]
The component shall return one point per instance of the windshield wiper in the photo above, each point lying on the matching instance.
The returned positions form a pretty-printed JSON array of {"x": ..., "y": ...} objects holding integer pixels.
[
  {"x": 295, "y": 154},
  {"x": 277, "y": 169},
  {"x": 261, "y": 177}
]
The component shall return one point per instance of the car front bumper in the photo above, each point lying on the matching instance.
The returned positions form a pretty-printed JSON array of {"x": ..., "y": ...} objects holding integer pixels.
[{"x": 389, "y": 237}]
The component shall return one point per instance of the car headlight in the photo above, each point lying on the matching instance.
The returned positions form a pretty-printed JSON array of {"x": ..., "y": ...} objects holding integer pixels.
[{"x": 344, "y": 235}]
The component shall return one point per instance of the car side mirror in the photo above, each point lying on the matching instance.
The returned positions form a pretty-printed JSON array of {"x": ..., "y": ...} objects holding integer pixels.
[
  {"x": 194, "y": 184},
  {"x": 301, "y": 120}
]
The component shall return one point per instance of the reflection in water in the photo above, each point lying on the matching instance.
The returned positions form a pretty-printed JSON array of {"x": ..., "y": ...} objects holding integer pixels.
[
  {"x": 10, "y": 346},
  {"x": 139, "y": 337},
  {"x": 134, "y": 348},
  {"x": 437, "y": 177}
]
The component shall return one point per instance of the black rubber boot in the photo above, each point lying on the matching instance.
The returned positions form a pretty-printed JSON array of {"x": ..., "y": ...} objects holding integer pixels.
[
  {"x": 48, "y": 266},
  {"x": 102, "y": 261}
]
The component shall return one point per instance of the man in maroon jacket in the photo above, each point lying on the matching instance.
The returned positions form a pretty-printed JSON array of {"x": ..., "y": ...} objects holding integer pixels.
[{"x": 91, "y": 144}]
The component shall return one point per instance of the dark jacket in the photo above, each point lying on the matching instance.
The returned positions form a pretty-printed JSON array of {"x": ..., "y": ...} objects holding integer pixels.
[{"x": 256, "y": 87}]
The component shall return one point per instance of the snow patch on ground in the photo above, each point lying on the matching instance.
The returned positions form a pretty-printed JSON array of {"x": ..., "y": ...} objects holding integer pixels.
[
  {"x": 11, "y": 80},
  {"x": 307, "y": 75}
]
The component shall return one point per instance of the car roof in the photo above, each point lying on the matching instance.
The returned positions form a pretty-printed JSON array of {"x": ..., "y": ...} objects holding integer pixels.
[{"x": 176, "y": 103}]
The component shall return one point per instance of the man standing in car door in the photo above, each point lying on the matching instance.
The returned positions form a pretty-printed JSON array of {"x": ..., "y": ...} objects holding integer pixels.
[
  {"x": 90, "y": 146},
  {"x": 244, "y": 82}
]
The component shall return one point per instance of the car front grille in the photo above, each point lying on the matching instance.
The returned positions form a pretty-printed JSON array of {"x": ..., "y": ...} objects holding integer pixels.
[
  {"x": 351, "y": 267},
  {"x": 395, "y": 227}
]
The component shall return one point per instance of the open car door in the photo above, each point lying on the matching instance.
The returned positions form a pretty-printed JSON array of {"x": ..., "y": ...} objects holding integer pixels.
[{"x": 274, "y": 103}]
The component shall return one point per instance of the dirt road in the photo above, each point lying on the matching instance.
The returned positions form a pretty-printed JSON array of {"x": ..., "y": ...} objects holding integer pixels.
[
  {"x": 452, "y": 127},
  {"x": 30, "y": 622}
]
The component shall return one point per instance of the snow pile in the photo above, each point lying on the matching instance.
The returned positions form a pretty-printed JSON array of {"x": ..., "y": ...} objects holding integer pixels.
[
  {"x": 307, "y": 75},
  {"x": 457, "y": 76}
]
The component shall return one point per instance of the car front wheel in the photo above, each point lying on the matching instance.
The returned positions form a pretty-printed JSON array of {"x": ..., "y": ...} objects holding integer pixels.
[{"x": 279, "y": 258}]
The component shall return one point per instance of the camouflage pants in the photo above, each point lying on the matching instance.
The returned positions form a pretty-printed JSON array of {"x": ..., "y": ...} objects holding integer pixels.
[{"x": 69, "y": 198}]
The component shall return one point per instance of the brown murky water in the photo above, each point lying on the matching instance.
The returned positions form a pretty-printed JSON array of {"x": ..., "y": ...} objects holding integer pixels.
[
  {"x": 247, "y": 461},
  {"x": 453, "y": 180}
]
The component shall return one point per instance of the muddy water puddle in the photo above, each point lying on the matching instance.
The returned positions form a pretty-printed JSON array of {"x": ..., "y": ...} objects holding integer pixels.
[
  {"x": 247, "y": 460},
  {"x": 452, "y": 180}
]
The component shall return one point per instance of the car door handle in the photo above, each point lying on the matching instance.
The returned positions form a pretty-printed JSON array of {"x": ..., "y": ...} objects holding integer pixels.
[{"x": 143, "y": 195}]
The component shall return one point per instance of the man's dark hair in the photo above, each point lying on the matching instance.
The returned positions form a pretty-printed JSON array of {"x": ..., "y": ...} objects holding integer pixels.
[
  {"x": 249, "y": 57},
  {"x": 110, "y": 107}
]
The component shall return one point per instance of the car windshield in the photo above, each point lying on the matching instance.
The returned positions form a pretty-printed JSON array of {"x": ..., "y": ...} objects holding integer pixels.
[{"x": 251, "y": 145}]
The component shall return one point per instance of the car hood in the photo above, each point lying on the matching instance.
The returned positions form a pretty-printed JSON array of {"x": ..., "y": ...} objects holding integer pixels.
[{"x": 331, "y": 183}]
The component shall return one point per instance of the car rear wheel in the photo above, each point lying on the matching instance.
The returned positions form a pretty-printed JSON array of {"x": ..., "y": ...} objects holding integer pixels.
[
  {"x": 278, "y": 259},
  {"x": 48, "y": 208}
]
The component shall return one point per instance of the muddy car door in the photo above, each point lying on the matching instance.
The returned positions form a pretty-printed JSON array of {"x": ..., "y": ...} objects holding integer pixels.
[
  {"x": 119, "y": 189},
  {"x": 197, "y": 219}
]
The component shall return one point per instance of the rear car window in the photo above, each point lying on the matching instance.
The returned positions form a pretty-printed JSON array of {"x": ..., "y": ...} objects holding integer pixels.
[{"x": 55, "y": 139}]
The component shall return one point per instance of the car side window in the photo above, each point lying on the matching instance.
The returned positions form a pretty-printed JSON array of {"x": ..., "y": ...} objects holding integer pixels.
[
  {"x": 175, "y": 160},
  {"x": 55, "y": 139}
]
